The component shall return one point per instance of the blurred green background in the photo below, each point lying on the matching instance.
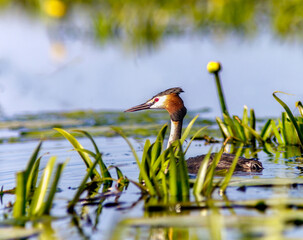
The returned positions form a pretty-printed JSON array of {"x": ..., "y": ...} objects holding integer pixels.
[{"x": 58, "y": 55}]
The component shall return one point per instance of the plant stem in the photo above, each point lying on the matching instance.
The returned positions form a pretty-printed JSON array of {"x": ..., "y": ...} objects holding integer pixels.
[{"x": 220, "y": 93}]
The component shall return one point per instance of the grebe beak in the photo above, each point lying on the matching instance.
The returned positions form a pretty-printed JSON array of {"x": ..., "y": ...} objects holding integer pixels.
[{"x": 140, "y": 107}]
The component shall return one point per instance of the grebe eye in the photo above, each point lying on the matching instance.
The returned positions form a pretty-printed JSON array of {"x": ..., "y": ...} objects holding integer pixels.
[{"x": 156, "y": 99}]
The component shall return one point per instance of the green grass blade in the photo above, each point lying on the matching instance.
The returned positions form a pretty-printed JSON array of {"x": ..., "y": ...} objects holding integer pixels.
[
  {"x": 90, "y": 138},
  {"x": 183, "y": 173},
  {"x": 119, "y": 173},
  {"x": 142, "y": 188},
  {"x": 289, "y": 130},
  {"x": 32, "y": 169},
  {"x": 223, "y": 128},
  {"x": 144, "y": 163},
  {"x": 231, "y": 170},
  {"x": 32, "y": 160},
  {"x": 173, "y": 174},
  {"x": 158, "y": 145},
  {"x": 291, "y": 116},
  {"x": 193, "y": 138},
  {"x": 239, "y": 129},
  {"x": 300, "y": 107},
  {"x": 200, "y": 179},
  {"x": 276, "y": 132},
  {"x": 230, "y": 126},
  {"x": 209, "y": 188},
  {"x": 245, "y": 121},
  {"x": 187, "y": 130},
  {"x": 105, "y": 174},
  {"x": 266, "y": 130},
  {"x": 53, "y": 189},
  {"x": 252, "y": 121},
  {"x": 37, "y": 203},
  {"x": 104, "y": 171},
  {"x": 163, "y": 176},
  {"x": 85, "y": 157},
  {"x": 253, "y": 132},
  {"x": 32, "y": 178},
  {"x": 149, "y": 185},
  {"x": 20, "y": 203}
]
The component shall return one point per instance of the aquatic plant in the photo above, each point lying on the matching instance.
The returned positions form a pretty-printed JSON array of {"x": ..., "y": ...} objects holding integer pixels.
[
  {"x": 214, "y": 68},
  {"x": 234, "y": 128},
  {"x": 32, "y": 199},
  {"x": 291, "y": 127},
  {"x": 163, "y": 172},
  {"x": 104, "y": 177}
]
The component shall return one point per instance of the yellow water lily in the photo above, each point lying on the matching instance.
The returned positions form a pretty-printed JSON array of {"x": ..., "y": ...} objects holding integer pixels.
[{"x": 213, "y": 67}]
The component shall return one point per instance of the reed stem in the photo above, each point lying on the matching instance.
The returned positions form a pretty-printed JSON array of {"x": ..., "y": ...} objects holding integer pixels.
[{"x": 220, "y": 94}]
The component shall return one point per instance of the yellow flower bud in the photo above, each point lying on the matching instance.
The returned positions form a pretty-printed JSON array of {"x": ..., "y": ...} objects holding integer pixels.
[
  {"x": 55, "y": 8},
  {"x": 213, "y": 67}
]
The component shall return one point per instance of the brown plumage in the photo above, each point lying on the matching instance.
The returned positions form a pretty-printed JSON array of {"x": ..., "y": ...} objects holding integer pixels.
[{"x": 171, "y": 101}]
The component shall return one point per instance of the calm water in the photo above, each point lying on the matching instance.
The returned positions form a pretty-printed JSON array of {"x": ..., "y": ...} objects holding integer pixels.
[
  {"x": 13, "y": 158},
  {"x": 41, "y": 70}
]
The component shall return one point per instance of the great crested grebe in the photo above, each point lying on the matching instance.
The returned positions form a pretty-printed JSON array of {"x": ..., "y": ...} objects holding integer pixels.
[{"x": 171, "y": 101}]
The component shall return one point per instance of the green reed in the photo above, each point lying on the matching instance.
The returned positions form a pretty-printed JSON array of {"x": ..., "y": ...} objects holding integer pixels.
[
  {"x": 163, "y": 172},
  {"x": 104, "y": 177},
  {"x": 32, "y": 199},
  {"x": 291, "y": 127}
]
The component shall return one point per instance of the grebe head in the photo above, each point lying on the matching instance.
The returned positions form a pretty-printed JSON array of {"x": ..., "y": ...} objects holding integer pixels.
[{"x": 169, "y": 100}]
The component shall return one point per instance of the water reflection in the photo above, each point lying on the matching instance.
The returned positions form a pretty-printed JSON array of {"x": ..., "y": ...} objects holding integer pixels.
[{"x": 59, "y": 64}]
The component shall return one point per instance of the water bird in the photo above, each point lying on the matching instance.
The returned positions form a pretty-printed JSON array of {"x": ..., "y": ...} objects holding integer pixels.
[{"x": 171, "y": 101}]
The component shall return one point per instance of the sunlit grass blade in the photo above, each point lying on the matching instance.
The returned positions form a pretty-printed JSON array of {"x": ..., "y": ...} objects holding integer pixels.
[
  {"x": 266, "y": 130},
  {"x": 150, "y": 187},
  {"x": 245, "y": 121},
  {"x": 276, "y": 132},
  {"x": 230, "y": 126},
  {"x": 289, "y": 131},
  {"x": 53, "y": 189},
  {"x": 300, "y": 107},
  {"x": 187, "y": 130},
  {"x": 239, "y": 129},
  {"x": 20, "y": 202},
  {"x": 200, "y": 179},
  {"x": 209, "y": 188},
  {"x": 291, "y": 116},
  {"x": 85, "y": 157},
  {"x": 223, "y": 128},
  {"x": 231, "y": 170},
  {"x": 193, "y": 138},
  {"x": 32, "y": 178},
  {"x": 33, "y": 159},
  {"x": 31, "y": 171},
  {"x": 37, "y": 203},
  {"x": 253, "y": 132}
]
